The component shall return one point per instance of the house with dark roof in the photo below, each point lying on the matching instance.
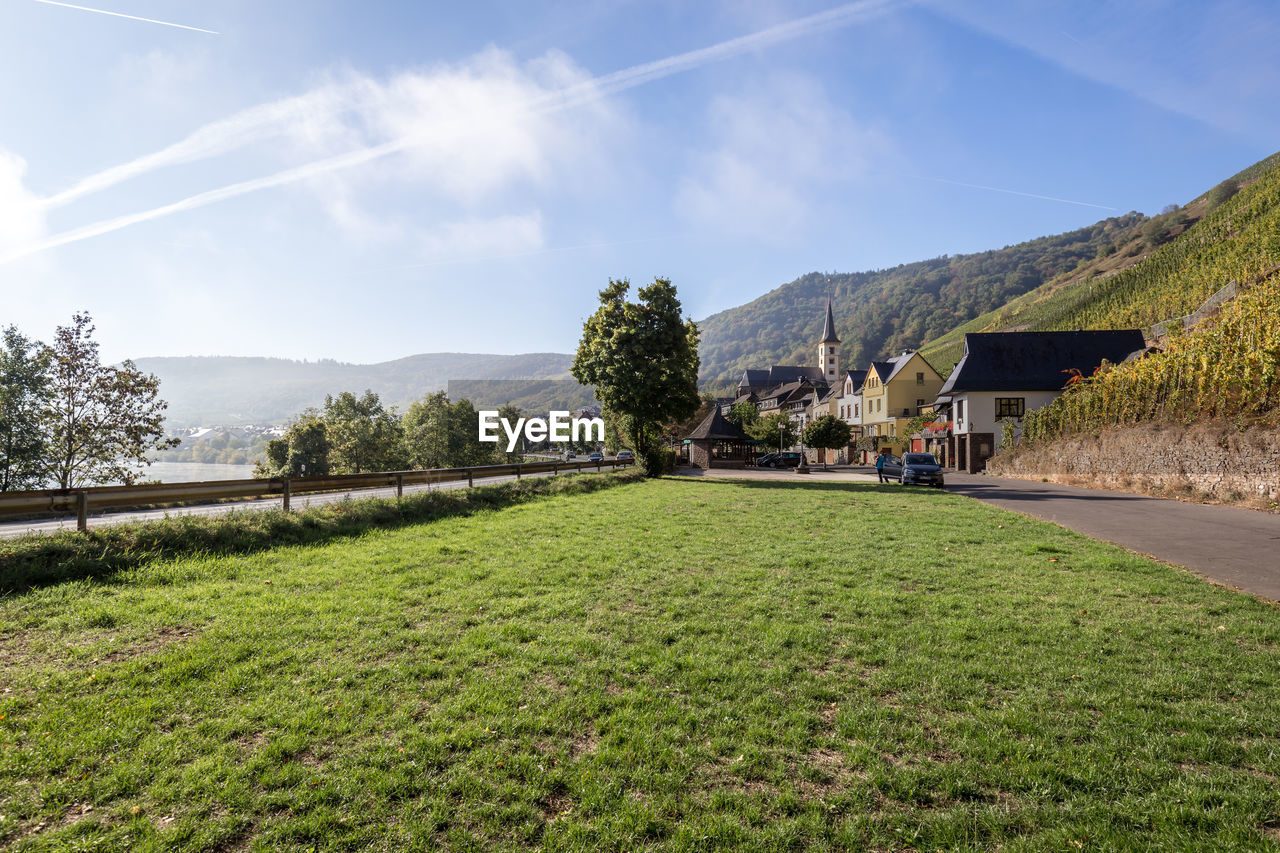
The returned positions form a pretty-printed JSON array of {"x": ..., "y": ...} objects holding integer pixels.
[{"x": 1002, "y": 375}]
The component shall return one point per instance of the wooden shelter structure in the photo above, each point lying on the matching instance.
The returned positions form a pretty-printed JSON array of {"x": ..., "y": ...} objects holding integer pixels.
[{"x": 718, "y": 442}]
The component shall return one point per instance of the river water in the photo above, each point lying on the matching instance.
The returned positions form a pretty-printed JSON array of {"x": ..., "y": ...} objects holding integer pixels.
[{"x": 192, "y": 472}]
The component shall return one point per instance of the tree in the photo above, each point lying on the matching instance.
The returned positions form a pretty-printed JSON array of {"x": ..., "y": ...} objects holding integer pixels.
[
  {"x": 302, "y": 451},
  {"x": 743, "y": 414},
  {"x": 363, "y": 436},
  {"x": 24, "y": 392},
  {"x": 826, "y": 433},
  {"x": 774, "y": 430},
  {"x": 101, "y": 420},
  {"x": 642, "y": 358}
]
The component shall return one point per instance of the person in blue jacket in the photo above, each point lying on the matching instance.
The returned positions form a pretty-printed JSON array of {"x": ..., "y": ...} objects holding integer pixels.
[{"x": 884, "y": 453}]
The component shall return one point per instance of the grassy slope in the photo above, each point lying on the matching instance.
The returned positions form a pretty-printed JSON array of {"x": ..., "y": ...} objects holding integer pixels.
[
  {"x": 664, "y": 663},
  {"x": 1136, "y": 287}
]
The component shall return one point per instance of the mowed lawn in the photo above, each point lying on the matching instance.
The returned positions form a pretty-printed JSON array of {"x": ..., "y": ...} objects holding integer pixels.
[{"x": 673, "y": 664}]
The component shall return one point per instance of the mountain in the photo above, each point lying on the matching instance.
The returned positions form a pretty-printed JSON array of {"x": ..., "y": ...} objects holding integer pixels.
[
  {"x": 880, "y": 312},
  {"x": 1165, "y": 270},
  {"x": 207, "y": 390}
]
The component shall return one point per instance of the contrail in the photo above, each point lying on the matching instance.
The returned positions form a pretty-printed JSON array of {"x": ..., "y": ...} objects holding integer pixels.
[
  {"x": 130, "y": 17},
  {"x": 1017, "y": 192},
  {"x": 581, "y": 94}
]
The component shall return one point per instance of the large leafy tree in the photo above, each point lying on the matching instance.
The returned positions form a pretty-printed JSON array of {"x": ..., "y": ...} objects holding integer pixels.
[
  {"x": 642, "y": 358},
  {"x": 101, "y": 420},
  {"x": 363, "y": 436},
  {"x": 24, "y": 392}
]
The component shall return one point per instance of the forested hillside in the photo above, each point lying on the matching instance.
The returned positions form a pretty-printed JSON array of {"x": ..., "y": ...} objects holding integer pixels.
[
  {"x": 1229, "y": 233},
  {"x": 881, "y": 312},
  {"x": 203, "y": 391}
]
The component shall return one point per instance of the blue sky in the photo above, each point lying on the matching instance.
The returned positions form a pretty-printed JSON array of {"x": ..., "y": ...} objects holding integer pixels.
[{"x": 364, "y": 181}]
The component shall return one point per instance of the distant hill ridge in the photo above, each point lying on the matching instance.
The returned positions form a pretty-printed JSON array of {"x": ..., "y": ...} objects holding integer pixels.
[{"x": 207, "y": 390}]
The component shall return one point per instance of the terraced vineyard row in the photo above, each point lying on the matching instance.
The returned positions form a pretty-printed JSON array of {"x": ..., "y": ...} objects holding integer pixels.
[{"x": 1228, "y": 367}]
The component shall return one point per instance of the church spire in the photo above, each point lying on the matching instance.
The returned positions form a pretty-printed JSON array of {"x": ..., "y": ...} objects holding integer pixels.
[{"x": 829, "y": 330}]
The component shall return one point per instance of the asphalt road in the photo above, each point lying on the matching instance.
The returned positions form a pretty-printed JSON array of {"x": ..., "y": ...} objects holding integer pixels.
[
  {"x": 10, "y": 529},
  {"x": 1236, "y": 547}
]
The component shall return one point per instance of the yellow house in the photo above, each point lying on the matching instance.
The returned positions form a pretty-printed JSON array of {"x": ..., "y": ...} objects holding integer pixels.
[{"x": 894, "y": 392}]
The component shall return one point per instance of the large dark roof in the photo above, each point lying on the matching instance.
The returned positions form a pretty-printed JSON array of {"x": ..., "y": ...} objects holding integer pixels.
[
  {"x": 1035, "y": 361},
  {"x": 718, "y": 428},
  {"x": 829, "y": 329}
]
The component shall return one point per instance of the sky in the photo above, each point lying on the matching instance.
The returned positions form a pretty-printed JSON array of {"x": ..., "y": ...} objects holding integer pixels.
[{"x": 365, "y": 181}]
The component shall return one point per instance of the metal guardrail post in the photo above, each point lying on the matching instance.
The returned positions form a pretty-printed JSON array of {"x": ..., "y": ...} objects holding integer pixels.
[
  {"x": 82, "y": 511},
  {"x": 517, "y": 470},
  {"x": 471, "y": 481},
  {"x": 284, "y": 500},
  {"x": 399, "y": 485}
]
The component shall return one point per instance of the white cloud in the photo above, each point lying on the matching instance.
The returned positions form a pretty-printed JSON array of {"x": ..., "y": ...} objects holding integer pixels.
[
  {"x": 21, "y": 215},
  {"x": 776, "y": 152},
  {"x": 503, "y": 235}
]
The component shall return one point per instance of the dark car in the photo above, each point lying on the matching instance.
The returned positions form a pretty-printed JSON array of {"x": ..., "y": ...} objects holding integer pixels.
[
  {"x": 763, "y": 461},
  {"x": 786, "y": 459},
  {"x": 919, "y": 469}
]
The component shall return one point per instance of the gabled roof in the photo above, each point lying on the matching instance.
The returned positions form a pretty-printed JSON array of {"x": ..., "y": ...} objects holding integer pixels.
[
  {"x": 717, "y": 427},
  {"x": 754, "y": 378},
  {"x": 1035, "y": 361},
  {"x": 829, "y": 328}
]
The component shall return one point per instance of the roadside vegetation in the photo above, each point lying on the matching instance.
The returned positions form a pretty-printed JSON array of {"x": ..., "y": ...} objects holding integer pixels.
[
  {"x": 101, "y": 552},
  {"x": 676, "y": 664}
]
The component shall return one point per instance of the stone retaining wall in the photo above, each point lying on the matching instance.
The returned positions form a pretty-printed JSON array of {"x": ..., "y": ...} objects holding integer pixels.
[{"x": 1211, "y": 459}]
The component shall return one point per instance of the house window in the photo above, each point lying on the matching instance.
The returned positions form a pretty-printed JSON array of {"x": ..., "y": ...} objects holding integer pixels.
[
  {"x": 855, "y": 410},
  {"x": 879, "y": 401},
  {"x": 959, "y": 411},
  {"x": 919, "y": 406},
  {"x": 920, "y": 378},
  {"x": 1010, "y": 407}
]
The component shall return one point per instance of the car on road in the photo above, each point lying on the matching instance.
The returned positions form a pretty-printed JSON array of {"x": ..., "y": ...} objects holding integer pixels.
[
  {"x": 569, "y": 454},
  {"x": 763, "y": 461},
  {"x": 786, "y": 459},
  {"x": 918, "y": 469},
  {"x": 626, "y": 456},
  {"x": 596, "y": 457}
]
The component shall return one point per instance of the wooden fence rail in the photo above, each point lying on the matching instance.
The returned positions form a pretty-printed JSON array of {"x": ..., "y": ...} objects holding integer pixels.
[{"x": 82, "y": 501}]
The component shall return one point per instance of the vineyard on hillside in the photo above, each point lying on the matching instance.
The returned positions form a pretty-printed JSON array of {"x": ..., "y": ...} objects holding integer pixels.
[
  {"x": 1239, "y": 240},
  {"x": 1228, "y": 367}
]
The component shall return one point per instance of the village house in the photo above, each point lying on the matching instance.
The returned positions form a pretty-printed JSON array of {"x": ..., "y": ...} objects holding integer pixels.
[
  {"x": 894, "y": 392},
  {"x": 1002, "y": 375}
]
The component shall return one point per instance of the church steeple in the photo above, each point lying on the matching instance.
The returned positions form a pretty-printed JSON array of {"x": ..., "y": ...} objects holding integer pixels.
[
  {"x": 829, "y": 350},
  {"x": 829, "y": 330}
]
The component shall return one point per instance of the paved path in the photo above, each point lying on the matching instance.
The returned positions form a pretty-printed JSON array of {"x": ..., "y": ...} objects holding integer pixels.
[
  {"x": 19, "y": 528},
  {"x": 1236, "y": 547}
]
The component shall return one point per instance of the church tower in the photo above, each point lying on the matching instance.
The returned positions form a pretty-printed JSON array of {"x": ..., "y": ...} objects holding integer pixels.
[{"x": 829, "y": 350}]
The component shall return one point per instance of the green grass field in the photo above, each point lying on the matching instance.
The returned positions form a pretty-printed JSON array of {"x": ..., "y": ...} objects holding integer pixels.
[{"x": 671, "y": 664}]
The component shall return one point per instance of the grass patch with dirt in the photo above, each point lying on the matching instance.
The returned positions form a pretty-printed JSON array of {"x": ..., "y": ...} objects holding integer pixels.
[{"x": 675, "y": 664}]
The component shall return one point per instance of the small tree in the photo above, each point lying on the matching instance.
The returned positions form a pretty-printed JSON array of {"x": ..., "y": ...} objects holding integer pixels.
[
  {"x": 101, "y": 420},
  {"x": 302, "y": 451},
  {"x": 743, "y": 414},
  {"x": 363, "y": 436},
  {"x": 642, "y": 358},
  {"x": 24, "y": 393},
  {"x": 774, "y": 430},
  {"x": 826, "y": 433}
]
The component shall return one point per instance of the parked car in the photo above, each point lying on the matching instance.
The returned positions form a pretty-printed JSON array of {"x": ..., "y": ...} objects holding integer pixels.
[
  {"x": 626, "y": 456},
  {"x": 596, "y": 457},
  {"x": 786, "y": 459},
  {"x": 763, "y": 461},
  {"x": 920, "y": 469},
  {"x": 569, "y": 454}
]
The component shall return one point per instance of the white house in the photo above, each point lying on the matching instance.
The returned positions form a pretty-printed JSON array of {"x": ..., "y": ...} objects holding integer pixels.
[{"x": 1003, "y": 375}]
